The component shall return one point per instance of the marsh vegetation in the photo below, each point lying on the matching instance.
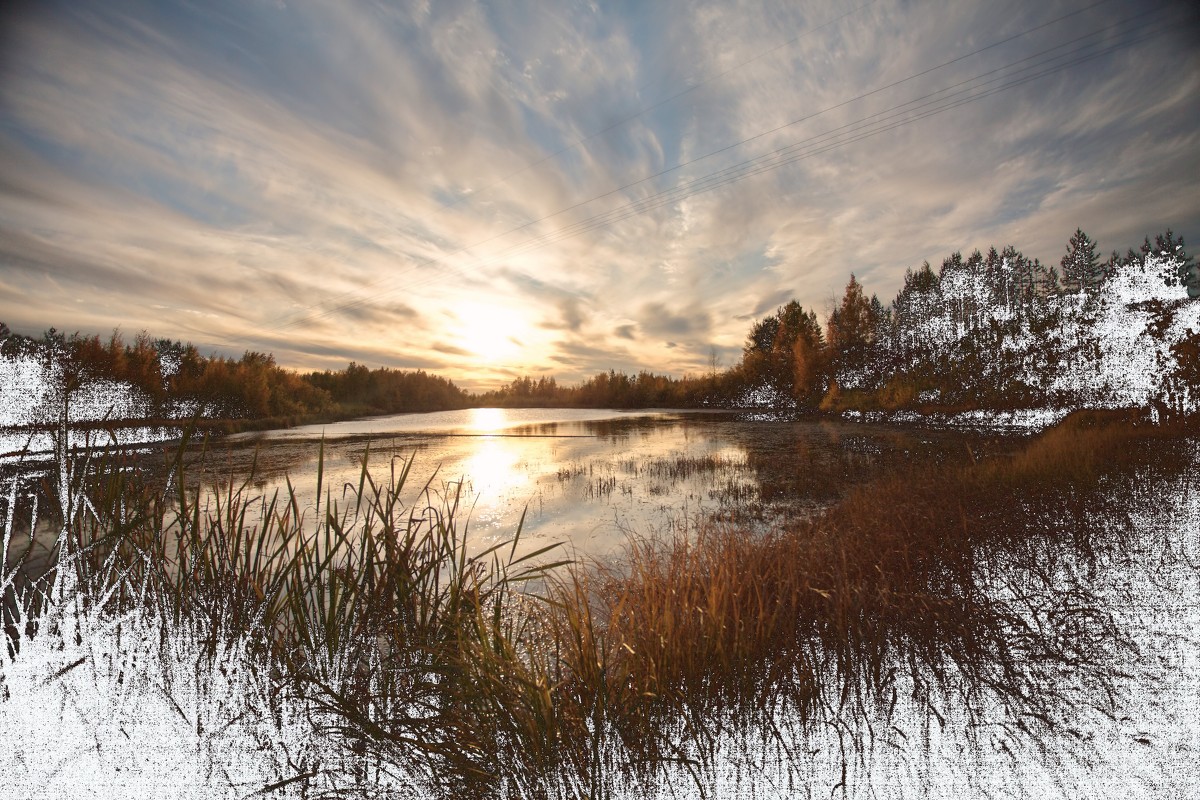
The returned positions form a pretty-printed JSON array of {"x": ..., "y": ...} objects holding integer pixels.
[{"x": 978, "y": 605}]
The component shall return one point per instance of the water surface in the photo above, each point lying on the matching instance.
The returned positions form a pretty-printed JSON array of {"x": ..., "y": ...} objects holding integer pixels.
[{"x": 588, "y": 478}]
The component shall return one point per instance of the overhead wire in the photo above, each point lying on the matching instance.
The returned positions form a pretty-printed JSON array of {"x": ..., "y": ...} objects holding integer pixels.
[
  {"x": 783, "y": 156},
  {"x": 287, "y": 319},
  {"x": 794, "y": 122},
  {"x": 306, "y": 315},
  {"x": 647, "y": 109},
  {"x": 706, "y": 183},
  {"x": 794, "y": 152}
]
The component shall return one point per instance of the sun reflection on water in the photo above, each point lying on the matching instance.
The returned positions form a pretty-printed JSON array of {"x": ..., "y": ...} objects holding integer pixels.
[
  {"x": 485, "y": 420},
  {"x": 496, "y": 470},
  {"x": 495, "y": 464}
]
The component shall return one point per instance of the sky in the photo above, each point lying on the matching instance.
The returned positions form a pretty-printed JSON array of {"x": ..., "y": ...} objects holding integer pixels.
[{"x": 489, "y": 190}]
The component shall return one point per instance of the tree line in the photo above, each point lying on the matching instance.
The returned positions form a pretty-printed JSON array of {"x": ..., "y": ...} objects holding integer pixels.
[
  {"x": 174, "y": 380},
  {"x": 994, "y": 330},
  {"x": 612, "y": 389}
]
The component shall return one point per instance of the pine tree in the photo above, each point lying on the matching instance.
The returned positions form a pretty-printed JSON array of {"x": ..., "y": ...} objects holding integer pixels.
[
  {"x": 1021, "y": 279},
  {"x": 1045, "y": 279},
  {"x": 762, "y": 336},
  {"x": 794, "y": 323},
  {"x": 1081, "y": 267},
  {"x": 1113, "y": 265},
  {"x": 996, "y": 269},
  {"x": 851, "y": 336},
  {"x": 1178, "y": 267}
]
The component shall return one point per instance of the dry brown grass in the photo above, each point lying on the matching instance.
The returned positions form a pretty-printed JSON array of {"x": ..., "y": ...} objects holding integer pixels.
[
  {"x": 819, "y": 615},
  {"x": 608, "y": 674}
]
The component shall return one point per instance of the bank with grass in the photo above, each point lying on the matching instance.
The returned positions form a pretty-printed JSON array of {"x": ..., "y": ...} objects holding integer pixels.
[{"x": 357, "y": 648}]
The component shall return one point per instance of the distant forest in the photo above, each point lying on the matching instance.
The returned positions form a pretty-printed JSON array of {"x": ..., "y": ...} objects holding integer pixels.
[{"x": 992, "y": 331}]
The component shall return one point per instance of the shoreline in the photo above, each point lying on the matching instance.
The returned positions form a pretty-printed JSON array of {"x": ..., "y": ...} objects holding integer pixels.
[{"x": 1031, "y": 419}]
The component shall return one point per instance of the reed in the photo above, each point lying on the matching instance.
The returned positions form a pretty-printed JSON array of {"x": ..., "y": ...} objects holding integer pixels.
[
  {"x": 497, "y": 675},
  {"x": 908, "y": 581}
]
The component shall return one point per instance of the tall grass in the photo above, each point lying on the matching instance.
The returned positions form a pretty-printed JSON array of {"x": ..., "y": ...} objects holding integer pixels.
[
  {"x": 492, "y": 675},
  {"x": 372, "y": 610},
  {"x": 950, "y": 581}
]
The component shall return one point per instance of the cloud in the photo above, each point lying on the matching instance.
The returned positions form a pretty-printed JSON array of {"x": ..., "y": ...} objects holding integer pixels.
[
  {"x": 768, "y": 304},
  {"x": 329, "y": 178},
  {"x": 573, "y": 314},
  {"x": 571, "y": 306},
  {"x": 657, "y": 319},
  {"x": 387, "y": 313},
  {"x": 452, "y": 350}
]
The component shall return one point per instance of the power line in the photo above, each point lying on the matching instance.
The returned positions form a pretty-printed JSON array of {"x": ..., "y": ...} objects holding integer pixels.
[
  {"x": 305, "y": 316},
  {"x": 776, "y": 129},
  {"x": 659, "y": 104},
  {"x": 862, "y": 133},
  {"x": 789, "y": 154},
  {"x": 290, "y": 318},
  {"x": 776, "y": 158}
]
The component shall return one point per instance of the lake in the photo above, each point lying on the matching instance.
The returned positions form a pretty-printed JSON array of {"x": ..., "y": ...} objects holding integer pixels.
[
  {"x": 587, "y": 478},
  {"x": 1122, "y": 607},
  {"x": 584, "y": 478}
]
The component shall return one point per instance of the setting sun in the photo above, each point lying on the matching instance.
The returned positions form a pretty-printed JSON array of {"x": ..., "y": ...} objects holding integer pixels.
[{"x": 492, "y": 332}]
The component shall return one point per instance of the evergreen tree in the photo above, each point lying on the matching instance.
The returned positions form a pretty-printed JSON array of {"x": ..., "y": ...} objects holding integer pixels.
[
  {"x": 809, "y": 359},
  {"x": 769, "y": 355},
  {"x": 794, "y": 323},
  {"x": 913, "y": 312},
  {"x": 1179, "y": 268},
  {"x": 996, "y": 278},
  {"x": 1047, "y": 280},
  {"x": 757, "y": 351},
  {"x": 1113, "y": 265},
  {"x": 851, "y": 337},
  {"x": 964, "y": 288},
  {"x": 1020, "y": 278},
  {"x": 762, "y": 336},
  {"x": 1081, "y": 267}
]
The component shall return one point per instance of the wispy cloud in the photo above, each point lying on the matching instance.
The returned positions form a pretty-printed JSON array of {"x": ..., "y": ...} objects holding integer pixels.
[{"x": 314, "y": 177}]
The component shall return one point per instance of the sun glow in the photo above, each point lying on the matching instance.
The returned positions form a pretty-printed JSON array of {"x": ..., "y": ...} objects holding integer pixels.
[
  {"x": 485, "y": 420},
  {"x": 493, "y": 469},
  {"x": 491, "y": 332}
]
